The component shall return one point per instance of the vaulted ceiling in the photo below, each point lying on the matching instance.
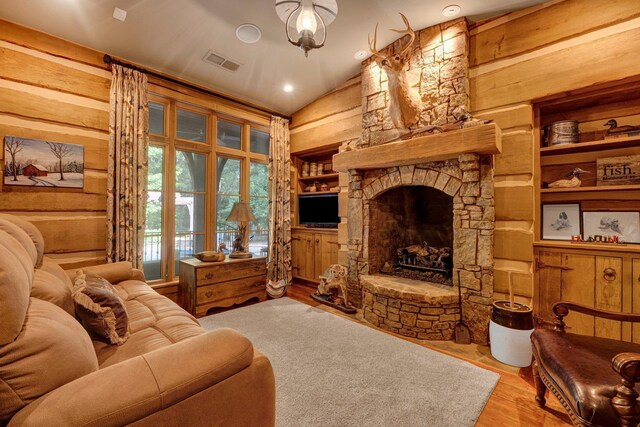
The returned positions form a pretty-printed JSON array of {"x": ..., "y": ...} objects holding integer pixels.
[{"x": 174, "y": 35}]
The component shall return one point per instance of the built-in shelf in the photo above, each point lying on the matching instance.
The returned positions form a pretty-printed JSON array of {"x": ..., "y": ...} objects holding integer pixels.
[
  {"x": 323, "y": 177},
  {"x": 617, "y": 247},
  {"x": 632, "y": 141},
  {"x": 585, "y": 189}
]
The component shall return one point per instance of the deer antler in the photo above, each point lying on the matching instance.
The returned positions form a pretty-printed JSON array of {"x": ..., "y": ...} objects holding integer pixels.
[
  {"x": 372, "y": 44},
  {"x": 409, "y": 31}
]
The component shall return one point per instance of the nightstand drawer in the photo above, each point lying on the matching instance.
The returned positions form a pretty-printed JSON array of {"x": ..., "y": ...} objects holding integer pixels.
[
  {"x": 226, "y": 272},
  {"x": 218, "y": 291}
]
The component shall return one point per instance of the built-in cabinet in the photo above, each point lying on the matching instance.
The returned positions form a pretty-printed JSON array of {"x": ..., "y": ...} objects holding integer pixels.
[
  {"x": 600, "y": 275},
  {"x": 313, "y": 250},
  {"x": 606, "y": 280}
]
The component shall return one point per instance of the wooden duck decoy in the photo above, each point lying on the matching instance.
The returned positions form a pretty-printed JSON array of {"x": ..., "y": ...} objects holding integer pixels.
[
  {"x": 615, "y": 129},
  {"x": 572, "y": 181}
]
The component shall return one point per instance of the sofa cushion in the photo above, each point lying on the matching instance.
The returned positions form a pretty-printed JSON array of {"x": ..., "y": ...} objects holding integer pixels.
[
  {"x": 100, "y": 308},
  {"x": 33, "y": 233},
  {"x": 16, "y": 276},
  {"x": 21, "y": 236},
  {"x": 154, "y": 321},
  {"x": 50, "y": 266},
  {"x": 49, "y": 287},
  {"x": 51, "y": 350}
]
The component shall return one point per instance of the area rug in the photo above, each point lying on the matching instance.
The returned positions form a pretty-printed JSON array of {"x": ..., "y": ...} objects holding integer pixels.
[{"x": 331, "y": 371}]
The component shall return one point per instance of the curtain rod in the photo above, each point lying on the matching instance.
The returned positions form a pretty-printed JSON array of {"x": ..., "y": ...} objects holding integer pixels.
[{"x": 108, "y": 59}]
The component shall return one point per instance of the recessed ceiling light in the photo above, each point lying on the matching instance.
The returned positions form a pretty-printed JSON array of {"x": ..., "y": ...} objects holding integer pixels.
[
  {"x": 287, "y": 88},
  {"x": 248, "y": 33},
  {"x": 451, "y": 10},
  {"x": 360, "y": 55},
  {"x": 119, "y": 14}
]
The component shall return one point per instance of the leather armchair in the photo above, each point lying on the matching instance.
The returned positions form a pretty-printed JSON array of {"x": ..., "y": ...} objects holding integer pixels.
[{"x": 594, "y": 378}]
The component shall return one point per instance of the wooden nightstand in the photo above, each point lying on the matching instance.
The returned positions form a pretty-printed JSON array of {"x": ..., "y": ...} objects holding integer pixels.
[{"x": 204, "y": 285}]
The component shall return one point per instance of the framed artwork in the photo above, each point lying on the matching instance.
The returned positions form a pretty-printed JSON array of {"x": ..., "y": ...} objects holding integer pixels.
[
  {"x": 38, "y": 163},
  {"x": 560, "y": 221},
  {"x": 624, "y": 225}
]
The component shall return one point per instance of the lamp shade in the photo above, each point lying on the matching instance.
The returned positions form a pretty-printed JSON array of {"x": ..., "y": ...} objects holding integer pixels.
[{"x": 241, "y": 212}]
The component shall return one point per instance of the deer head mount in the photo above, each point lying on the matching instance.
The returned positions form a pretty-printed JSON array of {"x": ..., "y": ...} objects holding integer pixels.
[{"x": 404, "y": 107}]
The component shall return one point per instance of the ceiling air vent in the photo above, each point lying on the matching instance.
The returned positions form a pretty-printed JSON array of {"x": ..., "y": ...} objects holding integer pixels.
[{"x": 221, "y": 61}]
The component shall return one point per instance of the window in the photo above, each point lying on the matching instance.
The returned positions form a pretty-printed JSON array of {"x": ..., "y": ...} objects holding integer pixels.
[
  {"x": 259, "y": 202},
  {"x": 195, "y": 176},
  {"x": 191, "y": 126},
  {"x": 190, "y": 211},
  {"x": 259, "y": 142},
  {"x": 156, "y": 118},
  {"x": 228, "y": 192},
  {"x": 152, "y": 251},
  {"x": 229, "y": 134}
]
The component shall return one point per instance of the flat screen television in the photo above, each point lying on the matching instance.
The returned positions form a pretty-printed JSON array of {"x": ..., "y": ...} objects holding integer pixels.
[{"x": 318, "y": 210}]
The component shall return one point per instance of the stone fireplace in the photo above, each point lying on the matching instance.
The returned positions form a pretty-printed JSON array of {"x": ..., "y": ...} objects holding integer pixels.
[
  {"x": 448, "y": 202},
  {"x": 417, "y": 212}
]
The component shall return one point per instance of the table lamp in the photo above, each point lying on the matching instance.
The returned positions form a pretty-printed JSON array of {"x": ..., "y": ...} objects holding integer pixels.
[{"x": 240, "y": 213}]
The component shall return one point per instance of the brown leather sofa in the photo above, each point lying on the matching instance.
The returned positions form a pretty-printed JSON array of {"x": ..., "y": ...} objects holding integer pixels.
[
  {"x": 594, "y": 378},
  {"x": 169, "y": 372}
]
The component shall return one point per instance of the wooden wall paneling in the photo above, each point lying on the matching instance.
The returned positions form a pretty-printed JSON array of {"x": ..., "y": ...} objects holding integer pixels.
[
  {"x": 578, "y": 286},
  {"x": 608, "y": 295},
  {"x": 72, "y": 234},
  {"x": 24, "y": 68},
  {"x": 345, "y": 98},
  {"x": 33, "y": 106},
  {"x": 330, "y": 132},
  {"x": 509, "y": 117},
  {"x": 517, "y": 154},
  {"x": 513, "y": 244},
  {"x": 37, "y": 201},
  {"x": 514, "y": 203},
  {"x": 547, "y": 26},
  {"x": 40, "y": 41},
  {"x": 531, "y": 79}
]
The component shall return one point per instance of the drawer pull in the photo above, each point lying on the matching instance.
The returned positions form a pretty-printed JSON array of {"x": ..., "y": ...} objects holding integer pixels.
[
  {"x": 609, "y": 274},
  {"x": 208, "y": 276},
  {"x": 208, "y": 294}
]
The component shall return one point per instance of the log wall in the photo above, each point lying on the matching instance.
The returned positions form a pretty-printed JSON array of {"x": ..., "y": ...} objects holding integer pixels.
[
  {"x": 330, "y": 120},
  {"x": 54, "y": 90}
]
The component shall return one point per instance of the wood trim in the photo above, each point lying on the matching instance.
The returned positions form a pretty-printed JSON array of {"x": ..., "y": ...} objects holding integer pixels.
[{"x": 484, "y": 139}]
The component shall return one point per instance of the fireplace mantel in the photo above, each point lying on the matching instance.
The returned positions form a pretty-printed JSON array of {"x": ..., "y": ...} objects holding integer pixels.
[{"x": 483, "y": 139}]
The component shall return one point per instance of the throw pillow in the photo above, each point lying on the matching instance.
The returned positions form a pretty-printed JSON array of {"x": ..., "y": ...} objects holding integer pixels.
[{"x": 99, "y": 308}]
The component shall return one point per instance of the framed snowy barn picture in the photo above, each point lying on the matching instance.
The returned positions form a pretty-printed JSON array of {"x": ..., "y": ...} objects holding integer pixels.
[{"x": 38, "y": 163}]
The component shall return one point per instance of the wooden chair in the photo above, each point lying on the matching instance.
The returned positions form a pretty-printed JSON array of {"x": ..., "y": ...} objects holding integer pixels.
[{"x": 578, "y": 370}]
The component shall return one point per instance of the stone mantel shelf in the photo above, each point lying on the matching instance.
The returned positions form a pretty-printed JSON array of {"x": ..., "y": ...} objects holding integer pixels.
[{"x": 483, "y": 139}]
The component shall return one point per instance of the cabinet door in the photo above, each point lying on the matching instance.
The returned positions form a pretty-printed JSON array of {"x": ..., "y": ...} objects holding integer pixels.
[
  {"x": 608, "y": 295},
  {"x": 578, "y": 286},
  {"x": 549, "y": 283},
  {"x": 328, "y": 253},
  {"x": 635, "y": 292},
  {"x": 302, "y": 256}
]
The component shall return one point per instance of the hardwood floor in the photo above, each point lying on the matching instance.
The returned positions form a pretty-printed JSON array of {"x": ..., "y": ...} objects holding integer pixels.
[{"x": 512, "y": 402}]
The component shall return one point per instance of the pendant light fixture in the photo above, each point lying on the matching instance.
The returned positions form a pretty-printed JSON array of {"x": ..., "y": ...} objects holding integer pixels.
[{"x": 306, "y": 21}]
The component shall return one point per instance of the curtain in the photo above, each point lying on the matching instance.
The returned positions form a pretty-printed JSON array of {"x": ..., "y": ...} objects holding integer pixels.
[
  {"x": 279, "y": 266},
  {"x": 127, "y": 167}
]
